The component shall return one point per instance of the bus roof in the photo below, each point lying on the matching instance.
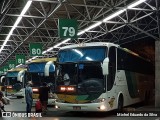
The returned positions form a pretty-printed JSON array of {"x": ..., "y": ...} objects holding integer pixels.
[
  {"x": 108, "y": 44},
  {"x": 43, "y": 60},
  {"x": 16, "y": 69}
]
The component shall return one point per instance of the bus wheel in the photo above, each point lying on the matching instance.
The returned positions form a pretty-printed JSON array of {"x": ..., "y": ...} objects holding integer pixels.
[{"x": 120, "y": 103}]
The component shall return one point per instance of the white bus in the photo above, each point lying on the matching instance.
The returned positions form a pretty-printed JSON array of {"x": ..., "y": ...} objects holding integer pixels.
[{"x": 101, "y": 77}]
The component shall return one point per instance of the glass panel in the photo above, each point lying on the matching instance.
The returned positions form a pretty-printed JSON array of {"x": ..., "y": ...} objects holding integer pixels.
[
  {"x": 39, "y": 67},
  {"x": 38, "y": 79},
  {"x": 12, "y": 74},
  {"x": 87, "y": 77},
  {"x": 82, "y": 54}
]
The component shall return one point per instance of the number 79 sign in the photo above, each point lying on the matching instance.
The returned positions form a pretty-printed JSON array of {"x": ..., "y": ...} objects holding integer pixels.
[{"x": 67, "y": 28}]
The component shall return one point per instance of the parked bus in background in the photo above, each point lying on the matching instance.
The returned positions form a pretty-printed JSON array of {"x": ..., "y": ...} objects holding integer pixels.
[
  {"x": 101, "y": 76},
  {"x": 15, "y": 81},
  {"x": 40, "y": 71}
]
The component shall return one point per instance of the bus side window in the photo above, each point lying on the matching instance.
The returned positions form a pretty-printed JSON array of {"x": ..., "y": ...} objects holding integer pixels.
[{"x": 112, "y": 68}]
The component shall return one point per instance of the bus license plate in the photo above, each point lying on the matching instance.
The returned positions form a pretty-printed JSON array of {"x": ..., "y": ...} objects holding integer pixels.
[{"x": 76, "y": 107}]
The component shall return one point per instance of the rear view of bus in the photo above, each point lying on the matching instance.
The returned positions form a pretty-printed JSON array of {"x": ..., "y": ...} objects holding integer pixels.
[{"x": 91, "y": 77}]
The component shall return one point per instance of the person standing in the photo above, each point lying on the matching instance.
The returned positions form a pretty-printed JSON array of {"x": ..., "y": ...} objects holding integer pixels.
[
  {"x": 66, "y": 79},
  {"x": 43, "y": 96},
  {"x": 28, "y": 97}
]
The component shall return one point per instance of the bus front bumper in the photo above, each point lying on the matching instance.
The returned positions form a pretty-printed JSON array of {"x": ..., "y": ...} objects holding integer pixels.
[{"x": 101, "y": 107}]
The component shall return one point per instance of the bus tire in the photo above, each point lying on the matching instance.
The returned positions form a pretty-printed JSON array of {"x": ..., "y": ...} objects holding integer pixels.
[{"x": 120, "y": 103}]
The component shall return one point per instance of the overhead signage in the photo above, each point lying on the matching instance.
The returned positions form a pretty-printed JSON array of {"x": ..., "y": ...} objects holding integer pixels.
[
  {"x": 20, "y": 59},
  {"x": 35, "y": 49},
  {"x": 11, "y": 64},
  {"x": 67, "y": 28},
  {"x": 5, "y": 68}
]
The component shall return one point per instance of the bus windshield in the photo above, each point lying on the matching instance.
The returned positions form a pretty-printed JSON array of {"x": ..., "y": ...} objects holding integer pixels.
[
  {"x": 82, "y": 54},
  {"x": 11, "y": 80},
  {"x": 39, "y": 78},
  {"x": 81, "y": 67},
  {"x": 86, "y": 77},
  {"x": 12, "y": 77},
  {"x": 36, "y": 73}
]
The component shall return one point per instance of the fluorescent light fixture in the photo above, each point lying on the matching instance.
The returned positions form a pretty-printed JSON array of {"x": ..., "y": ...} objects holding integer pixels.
[
  {"x": 93, "y": 26},
  {"x": 64, "y": 41},
  {"x": 16, "y": 23},
  {"x": 44, "y": 52},
  {"x": 34, "y": 57},
  {"x": 26, "y": 7},
  {"x": 114, "y": 15},
  {"x": 81, "y": 32},
  {"x": 68, "y": 39},
  {"x": 136, "y": 3},
  {"x": 89, "y": 28},
  {"x": 18, "y": 65},
  {"x": 49, "y": 49}
]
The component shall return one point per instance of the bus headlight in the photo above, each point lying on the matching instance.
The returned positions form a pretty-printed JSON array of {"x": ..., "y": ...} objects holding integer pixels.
[
  {"x": 98, "y": 100},
  {"x": 57, "y": 107},
  {"x": 102, "y": 107}
]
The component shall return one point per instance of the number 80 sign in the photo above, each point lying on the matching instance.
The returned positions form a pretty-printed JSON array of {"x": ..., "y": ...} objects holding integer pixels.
[{"x": 35, "y": 49}]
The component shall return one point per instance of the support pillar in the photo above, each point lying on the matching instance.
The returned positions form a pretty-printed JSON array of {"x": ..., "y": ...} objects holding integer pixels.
[{"x": 157, "y": 73}]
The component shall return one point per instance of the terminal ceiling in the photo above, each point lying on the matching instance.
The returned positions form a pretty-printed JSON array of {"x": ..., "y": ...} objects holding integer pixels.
[{"x": 40, "y": 24}]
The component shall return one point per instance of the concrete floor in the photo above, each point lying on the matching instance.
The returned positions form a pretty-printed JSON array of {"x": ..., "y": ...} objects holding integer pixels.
[{"x": 20, "y": 106}]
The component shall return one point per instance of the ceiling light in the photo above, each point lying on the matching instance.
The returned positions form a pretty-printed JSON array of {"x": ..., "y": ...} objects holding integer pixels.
[
  {"x": 64, "y": 41},
  {"x": 26, "y": 7},
  {"x": 136, "y": 3},
  {"x": 114, "y": 15},
  {"x": 16, "y": 23},
  {"x": 81, "y": 32},
  {"x": 92, "y": 26}
]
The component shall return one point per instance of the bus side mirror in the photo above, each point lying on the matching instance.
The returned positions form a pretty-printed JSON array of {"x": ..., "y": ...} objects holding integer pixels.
[
  {"x": 47, "y": 68},
  {"x": 20, "y": 76},
  {"x": 2, "y": 79},
  {"x": 105, "y": 66}
]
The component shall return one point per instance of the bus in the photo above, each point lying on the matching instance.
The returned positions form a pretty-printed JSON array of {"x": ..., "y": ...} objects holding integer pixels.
[
  {"x": 14, "y": 82},
  {"x": 101, "y": 77},
  {"x": 40, "y": 71}
]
